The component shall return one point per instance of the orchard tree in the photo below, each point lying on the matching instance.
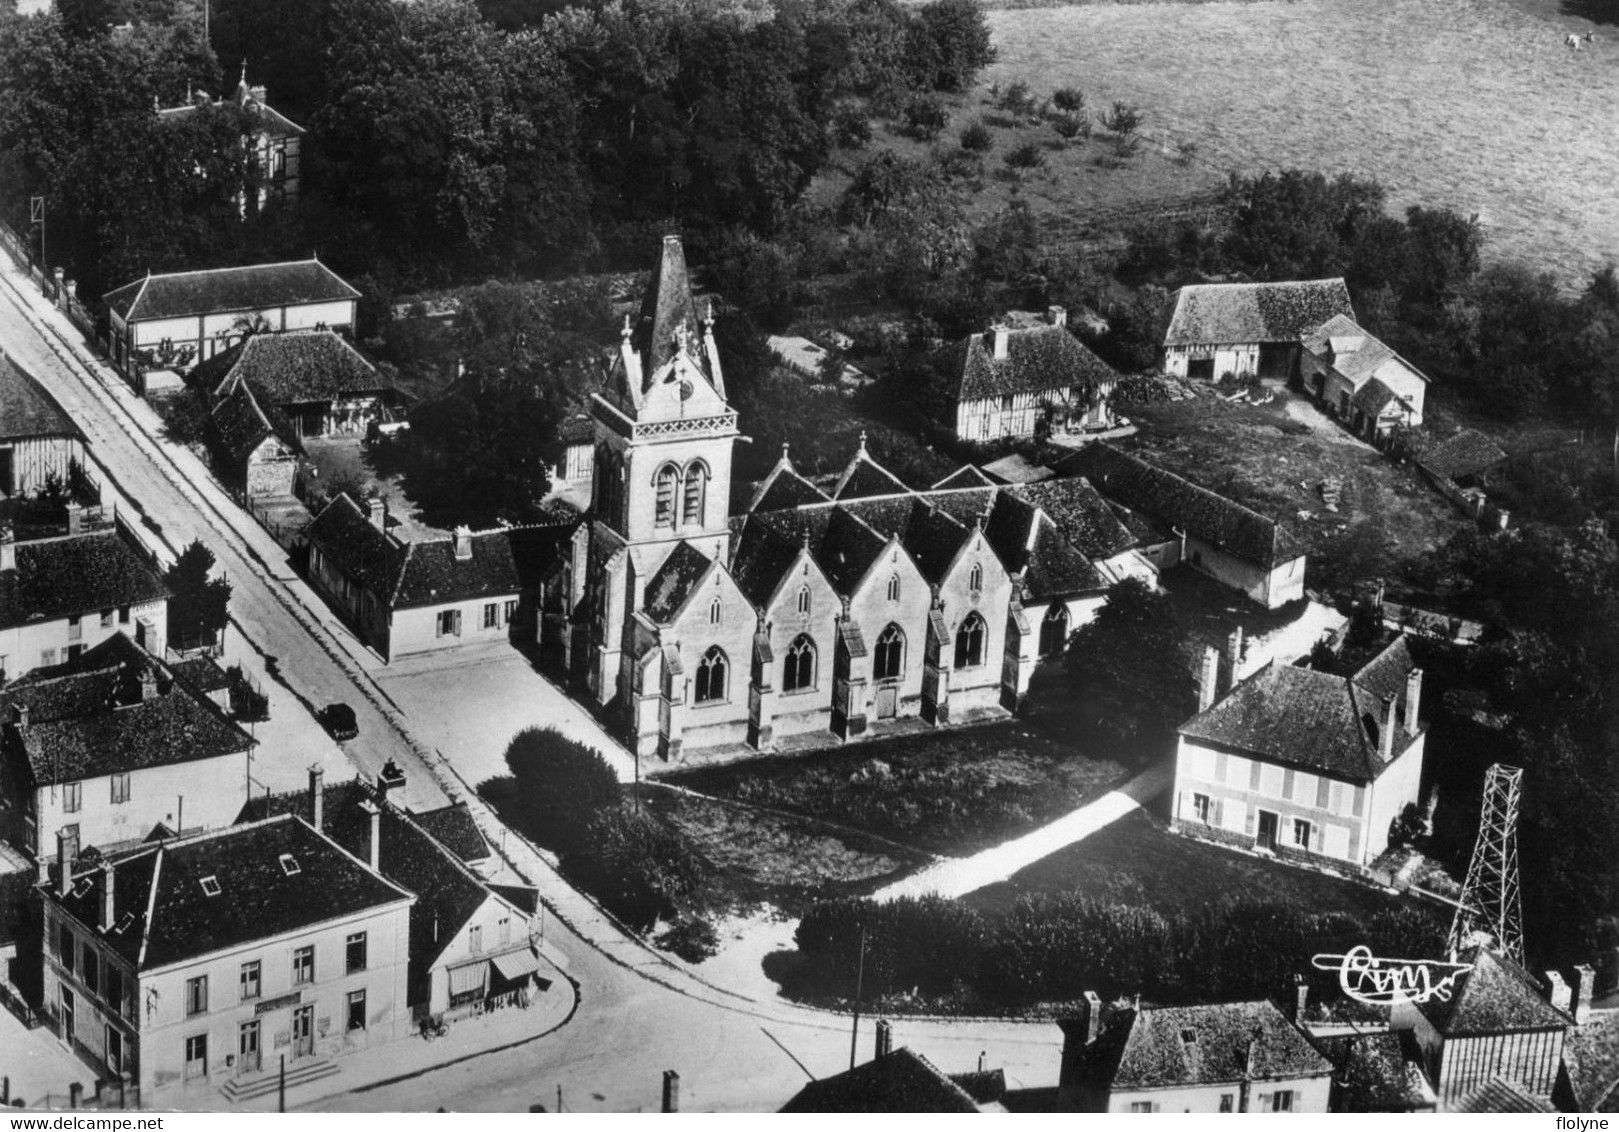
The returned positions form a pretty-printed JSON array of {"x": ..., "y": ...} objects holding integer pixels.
[{"x": 1129, "y": 661}]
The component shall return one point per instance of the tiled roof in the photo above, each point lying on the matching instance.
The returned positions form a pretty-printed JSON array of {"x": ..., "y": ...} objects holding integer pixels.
[
  {"x": 1496, "y": 997},
  {"x": 292, "y": 368},
  {"x": 354, "y": 545},
  {"x": 762, "y": 557},
  {"x": 26, "y": 409},
  {"x": 1380, "y": 1071},
  {"x": 928, "y": 534},
  {"x": 844, "y": 546},
  {"x": 273, "y": 122},
  {"x": 1056, "y": 568},
  {"x": 864, "y": 477},
  {"x": 201, "y": 674},
  {"x": 900, "y": 1081},
  {"x": 1238, "y": 313},
  {"x": 1302, "y": 717},
  {"x": 454, "y": 828},
  {"x": 1465, "y": 454},
  {"x": 666, "y": 304},
  {"x": 1164, "y": 495},
  {"x": 1080, "y": 513},
  {"x": 258, "y": 900},
  {"x": 672, "y": 584},
  {"x": 965, "y": 476},
  {"x": 784, "y": 488},
  {"x": 227, "y": 290},
  {"x": 239, "y": 423},
  {"x": 1341, "y": 343},
  {"x": 1591, "y": 1059},
  {"x": 1499, "y": 1094},
  {"x": 431, "y": 574},
  {"x": 1373, "y": 397},
  {"x": 87, "y": 718},
  {"x": 1038, "y": 358},
  {"x": 1177, "y": 1046},
  {"x": 79, "y": 574}
]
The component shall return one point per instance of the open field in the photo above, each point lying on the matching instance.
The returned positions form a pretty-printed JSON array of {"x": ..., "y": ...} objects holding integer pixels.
[
  {"x": 1474, "y": 104},
  {"x": 1137, "y": 861}
]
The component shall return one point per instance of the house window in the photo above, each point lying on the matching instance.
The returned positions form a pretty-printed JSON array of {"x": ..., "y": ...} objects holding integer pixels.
[
  {"x": 970, "y": 642},
  {"x": 1006, "y": 403},
  {"x": 1281, "y": 1101},
  {"x": 75, "y": 628},
  {"x": 197, "y": 1055},
  {"x": 664, "y": 510},
  {"x": 449, "y": 623},
  {"x": 64, "y": 948},
  {"x": 47, "y": 657},
  {"x": 1202, "y": 808},
  {"x": 975, "y": 580},
  {"x": 354, "y": 950},
  {"x": 356, "y": 1009},
  {"x": 249, "y": 980},
  {"x": 711, "y": 674},
  {"x": 714, "y": 612},
  {"x": 1301, "y": 833},
  {"x": 303, "y": 965},
  {"x": 114, "y": 993},
  {"x": 475, "y": 939},
  {"x": 71, "y": 797},
  {"x": 893, "y": 587},
  {"x": 888, "y": 662},
  {"x": 123, "y": 615},
  {"x": 804, "y": 600},
  {"x": 798, "y": 674},
  {"x": 197, "y": 995},
  {"x": 491, "y": 616},
  {"x": 508, "y": 611},
  {"x": 1143, "y": 1106},
  {"x": 120, "y": 788},
  {"x": 90, "y": 968},
  {"x": 106, "y": 619},
  {"x": 503, "y": 927},
  {"x": 696, "y": 494},
  {"x": 1225, "y": 1102}
]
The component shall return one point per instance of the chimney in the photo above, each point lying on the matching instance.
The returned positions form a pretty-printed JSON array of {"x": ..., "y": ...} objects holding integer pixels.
[
  {"x": 148, "y": 685},
  {"x": 1388, "y": 723},
  {"x": 463, "y": 544},
  {"x": 67, "y": 849},
  {"x": 1093, "y": 1016},
  {"x": 885, "y": 1037},
  {"x": 200, "y": 98},
  {"x": 1413, "y": 700},
  {"x": 8, "y": 548},
  {"x": 1000, "y": 335},
  {"x": 107, "y": 876},
  {"x": 671, "y": 1091},
  {"x": 75, "y": 518},
  {"x": 1208, "y": 685},
  {"x": 1585, "y": 981},
  {"x": 374, "y": 841},
  {"x": 376, "y": 509},
  {"x": 259, "y": 94},
  {"x": 1233, "y": 659},
  {"x": 1301, "y": 999},
  {"x": 1057, "y": 316},
  {"x": 391, "y": 778},
  {"x": 1558, "y": 992},
  {"x": 19, "y": 715},
  {"x": 317, "y": 796}
]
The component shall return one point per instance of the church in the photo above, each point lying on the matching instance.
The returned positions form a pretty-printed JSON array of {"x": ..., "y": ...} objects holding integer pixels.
[{"x": 812, "y": 611}]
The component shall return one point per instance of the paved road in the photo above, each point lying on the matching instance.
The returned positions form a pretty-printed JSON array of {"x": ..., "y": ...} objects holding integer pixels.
[{"x": 640, "y": 1013}]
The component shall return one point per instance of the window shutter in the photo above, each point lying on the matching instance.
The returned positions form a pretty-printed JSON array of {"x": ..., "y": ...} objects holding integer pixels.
[
  {"x": 1254, "y": 770},
  {"x": 1323, "y": 788},
  {"x": 1287, "y": 782},
  {"x": 1220, "y": 760},
  {"x": 1264, "y": 1102},
  {"x": 1359, "y": 799},
  {"x": 1218, "y": 816},
  {"x": 1248, "y": 822}
]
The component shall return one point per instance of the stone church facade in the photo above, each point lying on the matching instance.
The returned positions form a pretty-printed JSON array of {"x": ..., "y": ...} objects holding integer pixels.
[{"x": 811, "y": 611}]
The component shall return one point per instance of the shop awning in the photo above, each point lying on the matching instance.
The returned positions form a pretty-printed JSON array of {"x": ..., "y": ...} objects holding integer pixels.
[
  {"x": 468, "y": 978},
  {"x": 516, "y": 965}
]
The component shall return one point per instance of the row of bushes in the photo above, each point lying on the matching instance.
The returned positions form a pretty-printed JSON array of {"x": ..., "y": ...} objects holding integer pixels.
[{"x": 1054, "y": 949}]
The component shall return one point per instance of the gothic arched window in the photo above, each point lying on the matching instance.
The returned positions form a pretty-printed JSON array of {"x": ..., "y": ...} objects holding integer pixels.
[
  {"x": 714, "y": 612},
  {"x": 893, "y": 587},
  {"x": 711, "y": 674},
  {"x": 804, "y": 600},
  {"x": 975, "y": 580},
  {"x": 888, "y": 662},
  {"x": 664, "y": 512},
  {"x": 970, "y": 642},
  {"x": 696, "y": 494},
  {"x": 798, "y": 673}
]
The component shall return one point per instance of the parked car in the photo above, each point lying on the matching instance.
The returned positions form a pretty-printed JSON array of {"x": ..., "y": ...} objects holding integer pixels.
[{"x": 339, "y": 721}]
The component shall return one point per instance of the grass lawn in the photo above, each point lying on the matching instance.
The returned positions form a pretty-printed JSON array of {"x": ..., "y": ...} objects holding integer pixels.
[
  {"x": 1266, "y": 458},
  {"x": 951, "y": 792},
  {"x": 1472, "y": 104},
  {"x": 781, "y": 859},
  {"x": 1137, "y": 861}
]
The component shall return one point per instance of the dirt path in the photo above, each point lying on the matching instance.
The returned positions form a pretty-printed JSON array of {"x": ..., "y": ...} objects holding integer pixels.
[{"x": 967, "y": 874}]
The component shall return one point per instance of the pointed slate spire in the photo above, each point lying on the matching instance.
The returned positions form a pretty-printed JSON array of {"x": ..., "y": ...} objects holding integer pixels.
[{"x": 666, "y": 309}]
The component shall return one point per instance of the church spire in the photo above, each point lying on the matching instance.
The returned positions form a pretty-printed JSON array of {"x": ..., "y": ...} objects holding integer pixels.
[{"x": 667, "y": 311}]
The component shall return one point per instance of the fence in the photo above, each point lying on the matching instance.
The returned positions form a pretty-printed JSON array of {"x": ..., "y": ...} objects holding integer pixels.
[
  {"x": 54, "y": 287},
  {"x": 1470, "y": 501}
]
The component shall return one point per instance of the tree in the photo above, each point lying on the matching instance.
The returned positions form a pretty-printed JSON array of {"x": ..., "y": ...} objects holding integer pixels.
[
  {"x": 562, "y": 785},
  {"x": 1068, "y": 99},
  {"x": 976, "y": 138},
  {"x": 199, "y": 606},
  {"x": 950, "y": 45},
  {"x": 1129, "y": 660},
  {"x": 636, "y": 865},
  {"x": 1297, "y": 225},
  {"x": 926, "y": 116},
  {"x": 1123, "y": 120}
]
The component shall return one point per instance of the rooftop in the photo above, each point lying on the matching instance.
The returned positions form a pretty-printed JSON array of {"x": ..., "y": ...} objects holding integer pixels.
[
  {"x": 291, "y": 368},
  {"x": 900, "y": 1081},
  {"x": 1467, "y": 453},
  {"x": 1177, "y": 1046},
  {"x": 26, "y": 409},
  {"x": 75, "y": 576},
  {"x": 1239, "y": 313},
  {"x": 1591, "y": 1060},
  {"x": 227, "y": 290},
  {"x": 1038, "y": 358},
  {"x": 1497, "y": 996}
]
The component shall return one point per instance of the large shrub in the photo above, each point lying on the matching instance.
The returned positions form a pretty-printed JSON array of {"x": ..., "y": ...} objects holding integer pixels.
[
  {"x": 562, "y": 785},
  {"x": 929, "y": 943},
  {"x": 637, "y": 866}
]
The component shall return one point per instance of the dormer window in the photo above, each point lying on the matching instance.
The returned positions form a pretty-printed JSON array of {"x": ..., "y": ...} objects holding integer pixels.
[
  {"x": 210, "y": 886},
  {"x": 82, "y": 889},
  {"x": 1189, "y": 1035},
  {"x": 289, "y": 865}
]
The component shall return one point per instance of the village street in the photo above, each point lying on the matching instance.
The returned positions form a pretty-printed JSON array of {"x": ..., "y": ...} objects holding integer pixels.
[{"x": 640, "y": 1012}]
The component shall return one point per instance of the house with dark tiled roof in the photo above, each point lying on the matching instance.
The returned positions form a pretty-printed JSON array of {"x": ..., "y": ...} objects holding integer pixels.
[
  {"x": 840, "y": 610},
  {"x": 1027, "y": 380},
  {"x": 38, "y": 440},
  {"x": 1589, "y": 1078},
  {"x": 1233, "y": 544},
  {"x": 163, "y": 325},
  {"x": 1247, "y": 329},
  {"x": 1377, "y": 1071},
  {"x": 62, "y": 595},
  {"x": 253, "y": 456},
  {"x": 413, "y": 597},
  {"x": 1224, "y": 1057},
  {"x": 188, "y": 966},
  {"x": 472, "y": 946},
  {"x": 316, "y": 379},
  {"x": 1310, "y": 766},
  {"x": 900, "y": 1080},
  {"x": 1463, "y": 457},
  {"x": 1497, "y": 1027},
  {"x": 107, "y": 747},
  {"x": 1361, "y": 381},
  {"x": 274, "y": 142}
]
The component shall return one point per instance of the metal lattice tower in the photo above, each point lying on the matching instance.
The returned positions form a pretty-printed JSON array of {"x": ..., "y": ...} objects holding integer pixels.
[{"x": 1490, "y": 901}]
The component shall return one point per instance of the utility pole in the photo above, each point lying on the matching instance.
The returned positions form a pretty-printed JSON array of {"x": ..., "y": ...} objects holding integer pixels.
[
  {"x": 36, "y": 215},
  {"x": 281, "y": 1091},
  {"x": 859, "y": 983}
]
